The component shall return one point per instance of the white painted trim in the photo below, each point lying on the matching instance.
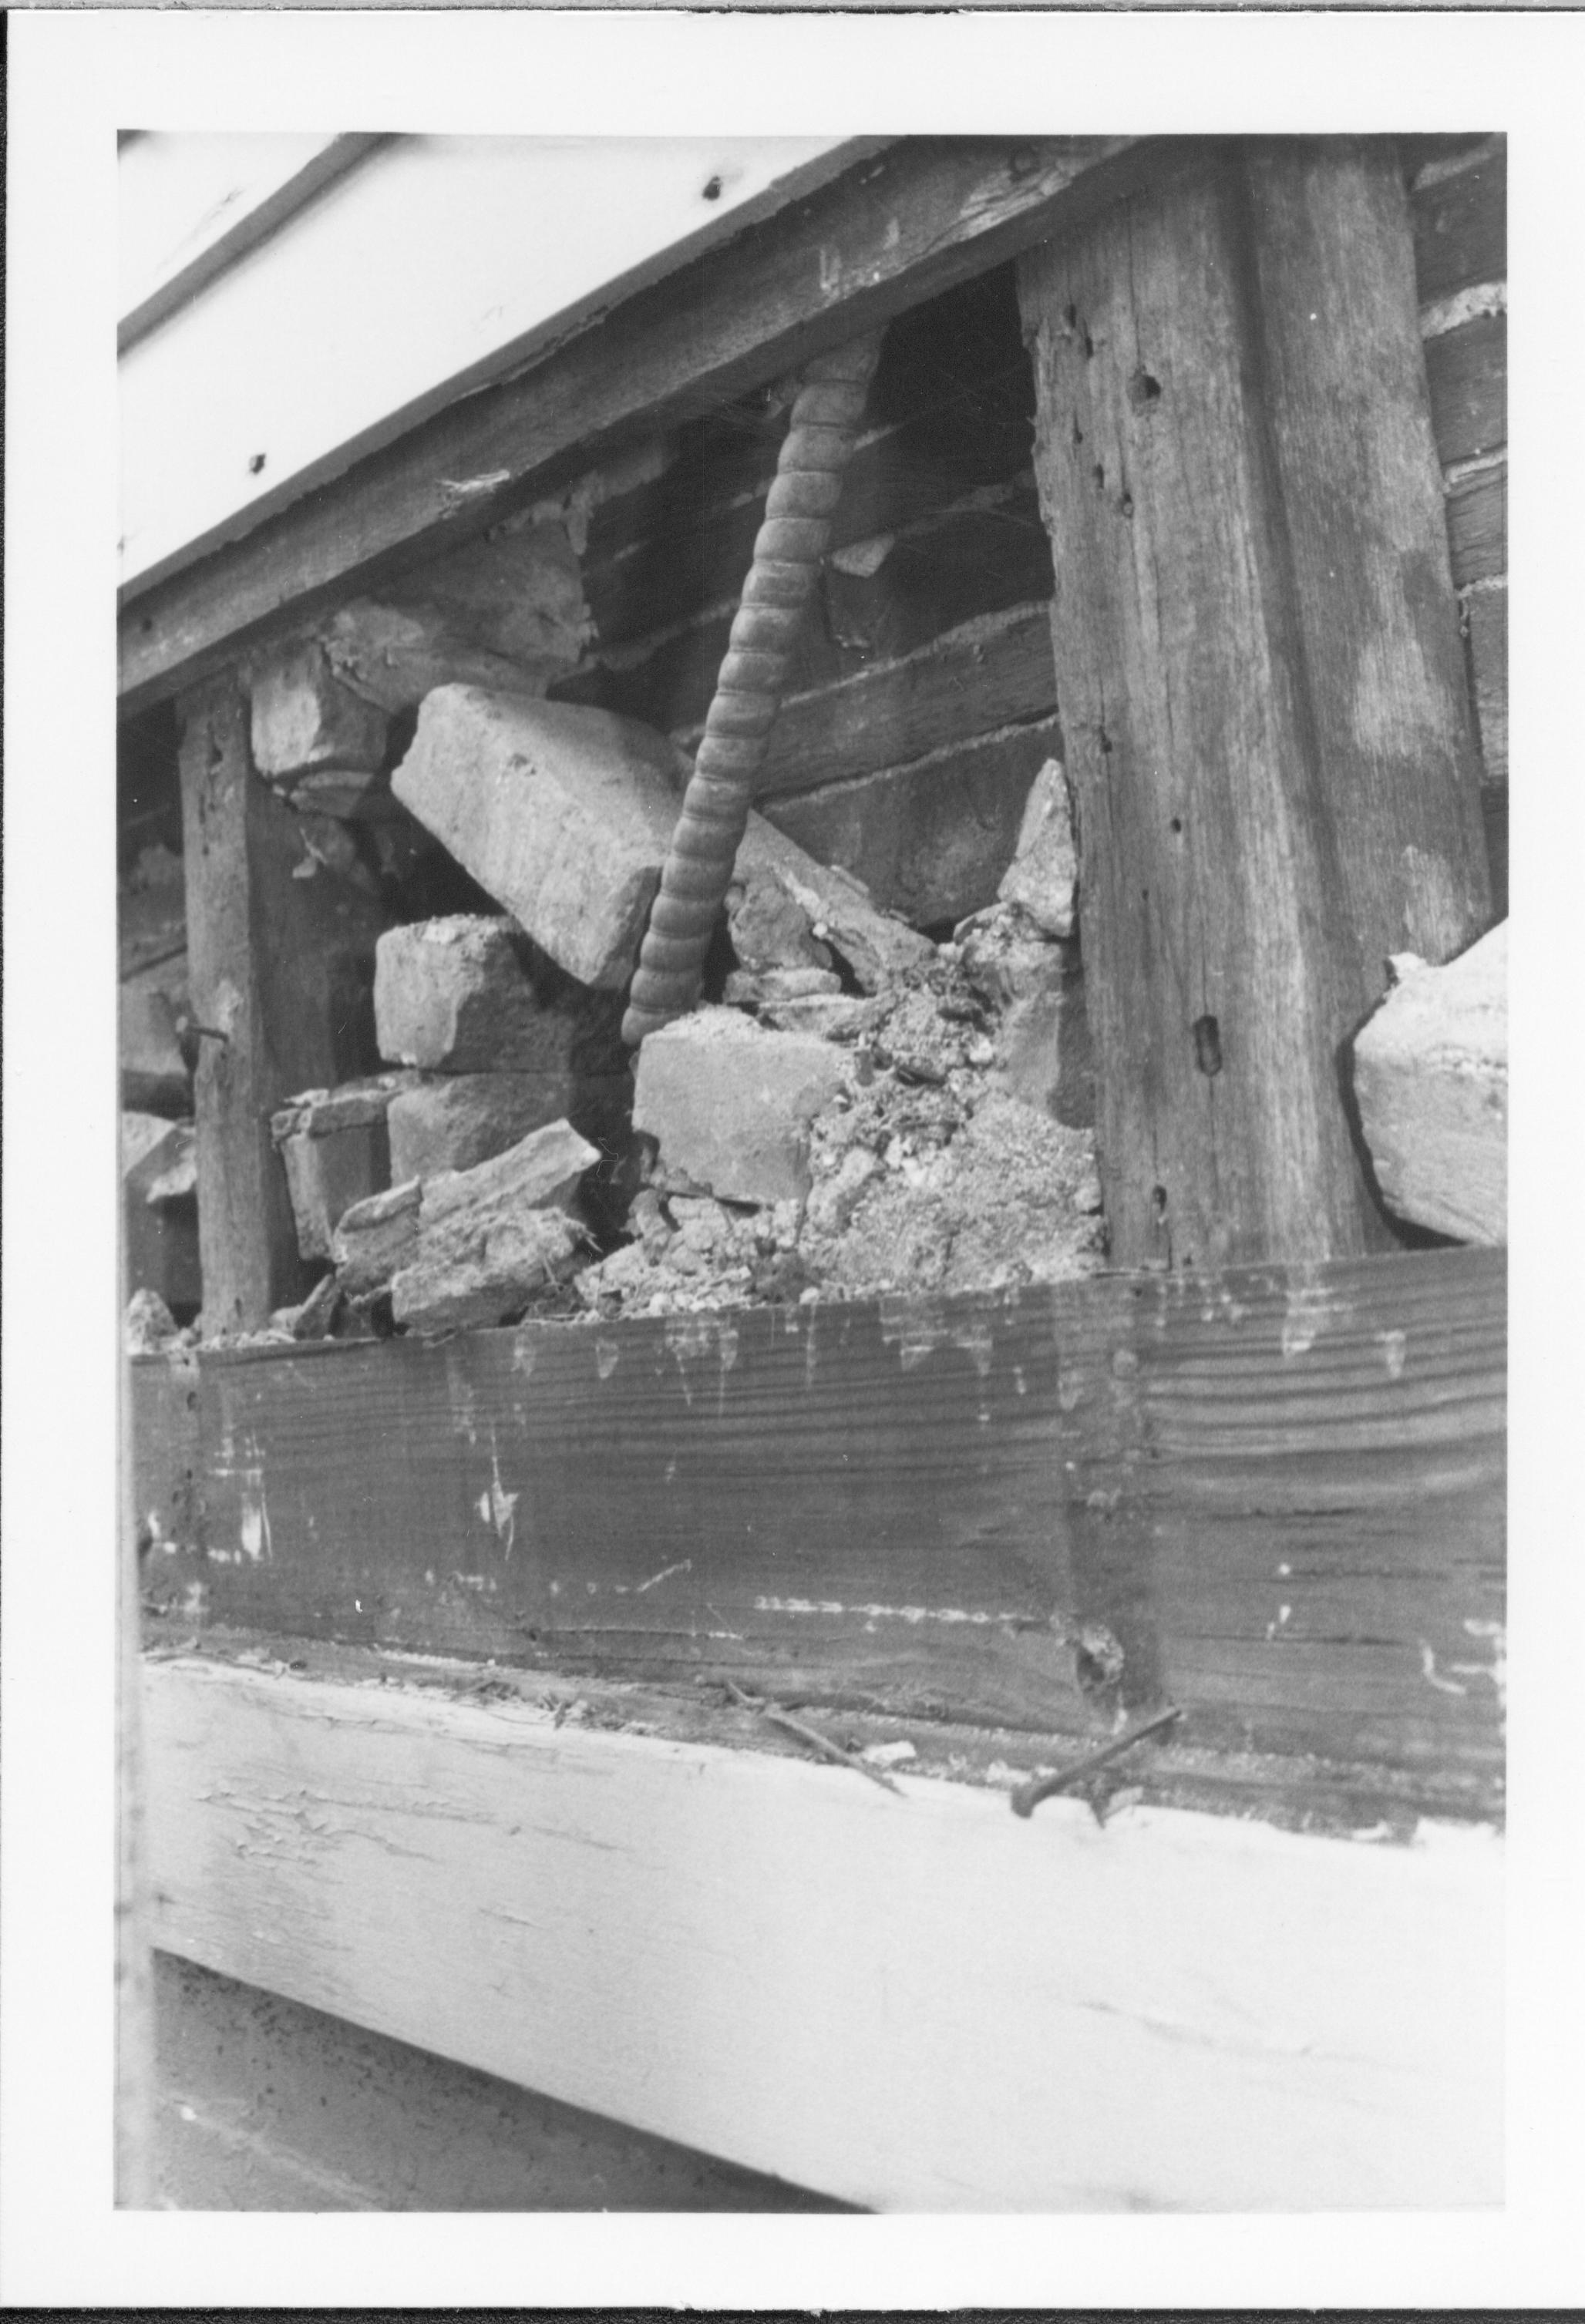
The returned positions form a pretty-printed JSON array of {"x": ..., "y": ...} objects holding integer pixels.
[
  {"x": 920, "y": 2003},
  {"x": 435, "y": 265}
]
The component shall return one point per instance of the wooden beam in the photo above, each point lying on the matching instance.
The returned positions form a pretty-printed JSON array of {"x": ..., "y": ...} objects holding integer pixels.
[
  {"x": 924, "y": 216},
  {"x": 281, "y": 971},
  {"x": 1258, "y": 667},
  {"x": 917, "y": 2002},
  {"x": 1273, "y": 1498}
]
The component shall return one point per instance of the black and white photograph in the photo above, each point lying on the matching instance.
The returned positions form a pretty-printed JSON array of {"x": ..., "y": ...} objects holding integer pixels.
[{"x": 797, "y": 1234}]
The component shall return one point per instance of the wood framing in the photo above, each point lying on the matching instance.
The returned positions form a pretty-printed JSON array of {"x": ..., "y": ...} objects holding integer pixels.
[
  {"x": 907, "y": 223},
  {"x": 281, "y": 974},
  {"x": 1274, "y": 1498},
  {"x": 913, "y": 2001},
  {"x": 1258, "y": 667}
]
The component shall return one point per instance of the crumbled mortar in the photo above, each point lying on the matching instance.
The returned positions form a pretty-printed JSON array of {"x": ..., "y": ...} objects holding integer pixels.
[{"x": 929, "y": 1174}]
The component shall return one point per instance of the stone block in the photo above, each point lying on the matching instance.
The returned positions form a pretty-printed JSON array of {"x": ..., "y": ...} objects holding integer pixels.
[
  {"x": 452, "y": 1121},
  {"x": 1431, "y": 1074},
  {"x": 730, "y": 1103},
  {"x": 841, "y": 915},
  {"x": 336, "y": 1147},
  {"x": 562, "y": 813},
  {"x": 160, "y": 1211},
  {"x": 374, "y": 1238},
  {"x": 469, "y": 995},
  {"x": 303, "y": 716},
  {"x": 489, "y": 1238},
  {"x": 1044, "y": 874}
]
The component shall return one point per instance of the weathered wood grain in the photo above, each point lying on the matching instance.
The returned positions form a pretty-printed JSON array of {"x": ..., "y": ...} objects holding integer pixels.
[
  {"x": 1274, "y": 1498},
  {"x": 919, "y": 2003},
  {"x": 1257, "y": 658},
  {"x": 281, "y": 972},
  {"x": 931, "y": 839},
  {"x": 926, "y": 214}
]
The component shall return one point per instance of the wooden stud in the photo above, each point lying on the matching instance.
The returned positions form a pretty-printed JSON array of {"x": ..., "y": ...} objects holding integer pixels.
[
  {"x": 281, "y": 974},
  {"x": 1257, "y": 664}
]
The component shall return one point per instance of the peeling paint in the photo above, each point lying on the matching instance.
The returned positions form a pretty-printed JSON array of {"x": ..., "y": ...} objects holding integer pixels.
[
  {"x": 1496, "y": 1670},
  {"x": 498, "y": 1506},
  {"x": 683, "y": 1565},
  {"x": 1394, "y": 1346},
  {"x": 607, "y": 1356},
  {"x": 525, "y": 1354},
  {"x": 1309, "y": 1310},
  {"x": 979, "y": 1617},
  {"x": 913, "y": 1326},
  {"x": 1428, "y": 1672}
]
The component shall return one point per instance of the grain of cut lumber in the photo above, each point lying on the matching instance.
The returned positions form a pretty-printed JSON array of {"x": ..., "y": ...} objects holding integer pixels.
[
  {"x": 467, "y": 994},
  {"x": 450, "y": 1121},
  {"x": 1431, "y": 1072},
  {"x": 490, "y": 1238},
  {"x": 336, "y": 1151},
  {"x": 561, "y": 813},
  {"x": 731, "y": 1103},
  {"x": 1486, "y": 613},
  {"x": 303, "y": 717}
]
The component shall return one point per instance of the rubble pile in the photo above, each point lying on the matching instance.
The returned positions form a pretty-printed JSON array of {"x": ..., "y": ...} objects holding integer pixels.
[{"x": 855, "y": 1109}]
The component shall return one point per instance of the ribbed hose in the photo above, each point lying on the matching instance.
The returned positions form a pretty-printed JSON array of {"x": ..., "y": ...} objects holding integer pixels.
[{"x": 787, "y": 555}]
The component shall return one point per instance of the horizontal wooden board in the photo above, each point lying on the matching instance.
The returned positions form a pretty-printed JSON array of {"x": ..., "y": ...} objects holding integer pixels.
[
  {"x": 1478, "y": 525},
  {"x": 1279, "y": 1494},
  {"x": 914, "y": 2002},
  {"x": 926, "y": 214},
  {"x": 1467, "y": 372},
  {"x": 1460, "y": 221},
  {"x": 930, "y": 840}
]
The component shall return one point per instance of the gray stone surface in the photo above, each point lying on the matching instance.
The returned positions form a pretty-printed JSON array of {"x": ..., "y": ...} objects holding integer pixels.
[
  {"x": 470, "y": 994},
  {"x": 452, "y": 1121},
  {"x": 490, "y": 1238},
  {"x": 730, "y": 1103},
  {"x": 1044, "y": 874},
  {"x": 336, "y": 1151},
  {"x": 303, "y": 716},
  {"x": 374, "y": 1238},
  {"x": 1431, "y": 1074},
  {"x": 562, "y": 813}
]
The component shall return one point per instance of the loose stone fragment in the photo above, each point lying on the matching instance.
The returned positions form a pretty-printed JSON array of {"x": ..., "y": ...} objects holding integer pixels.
[
  {"x": 159, "y": 1209},
  {"x": 468, "y": 995},
  {"x": 1431, "y": 1072},
  {"x": 304, "y": 717},
  {"x": 374, "y": 1238},
  {"x": 490, "y": 1238},
  {"x": 452, "y": 1121},
  {"x": 731, "y": 1103},
  {"x": 336, "y": 1151},
  {"x": 562, "y": 813},
  {"x": 1044, "y": 874}
]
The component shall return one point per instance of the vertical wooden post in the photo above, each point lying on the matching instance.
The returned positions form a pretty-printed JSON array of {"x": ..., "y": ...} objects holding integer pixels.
[
  {"x": 281, "y": 970},
  {"x": 1258, "y": 676}
]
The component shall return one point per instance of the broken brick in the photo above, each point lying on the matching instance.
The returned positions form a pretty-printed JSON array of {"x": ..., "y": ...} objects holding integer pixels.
[
  {"x": 1044, "y": 874},
  {"x": 730, "y": 1103},
  {"x": 469, "y": 994}
]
